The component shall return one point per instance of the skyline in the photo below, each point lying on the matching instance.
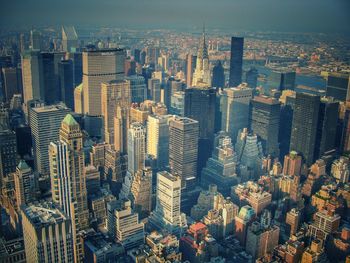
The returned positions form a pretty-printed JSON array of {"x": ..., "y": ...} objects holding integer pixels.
[{"x": 327, "y": 16}]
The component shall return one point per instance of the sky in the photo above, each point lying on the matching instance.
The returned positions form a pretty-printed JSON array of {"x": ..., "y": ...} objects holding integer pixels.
[{"x": 325, "y": 16}]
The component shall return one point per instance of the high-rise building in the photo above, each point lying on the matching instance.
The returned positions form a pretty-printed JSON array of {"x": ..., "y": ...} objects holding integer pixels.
[
  {"x": 136, "y": 147},
  {"x": 66, "y": 170},
  {"x": 158, "y": 139},
  {"x": 235, "y": 109},
  {"x": 221, "y": 167},
  {"x": 293, "y": 219},
  {"x": 173, "y": 85},
  {"x": 264, "y": 121},
  {"x": 77, "y": 59},
  {"x": 167, "y": 215},
  {"x": 340, "y": 170},
  {"x": 200, "y": 106},
  {"x": 100, "y": 66},
  {"x": 130, "y": 67},
  {"x": 338, "y": 86},
  {"x": 292, "y": 164},
  {"x": 141, "y": 191},
  {"x": 25, "y": 184},
  {"x": 251, "y": 77},
  {"x": 281, "y": 80},
  {"x": 327, "y": 126},
  {"x": 115, "y": 96},
  {"x": 201, "y": 75},
  {"x": 12, "y": 82},
  {"x": 138, "y": 88},
  {"x": 47, "y": 233},
  {"x": 183, "y": 149},
  {"x": 79, "y": 99},
  {"x": 218, "y": 80},
  {"x": 66, "y": 82},
  {"x": 35, "y": 40},
  {"x": 236, "y": 61},
  {"x": 324, "y": 223},
  {"x": 45, "y": 123},
  {"x": 314, "y": 253},
  {"x": 128, "y": 230},
  {"x": 154, "y": 89},
  {"x": 261, "y": 241},
  {"x": 244, "y": 218},
  {"x": 304, "y": 127},
  {"x": 190, "y": 67},
  {"x": 8, "y": 153},
  {"x": 69, "y": 38}
]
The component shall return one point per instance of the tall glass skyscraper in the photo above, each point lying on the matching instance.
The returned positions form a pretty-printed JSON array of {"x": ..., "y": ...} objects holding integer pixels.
[{"x": 236, "y": 62}]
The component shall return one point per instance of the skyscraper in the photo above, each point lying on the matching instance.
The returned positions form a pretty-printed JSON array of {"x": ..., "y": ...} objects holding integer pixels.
[
  {"x": 200, "y": 106},
  {"x": 136, "y": 147},
  {"x": 304, "y": 127},
  {"x": 35, "y": 40},
  {"x": 115, "y": 96},
  {"x": 45, "y": 123},
  {"x": 77, "y": 59},
  {"x": 190, "y": 67},
  {"x": 218, "y": 80},
  {"x": 8, "y": 153},
  {"x": 292, "y": 164},
  {"x": 138, "y": 89},
  {"x": 47, "y": 233},
  {"x": 158, "y": 139},
  {"x": 201, "y": 75},
  {"x": 66, "y": 82},
  {"x": 236, "y": 61},
  {"x": 79, "y": 99},
  {"x": 154, "y": 89},
  {"x": 69, "y": 38},
  {"x": 141, "y": 191},
  {"x": 251, "y": 77},
  {"x": 167, "y": 215},
  {"x": 173, "y": 85},
  {"x": 281, "y": 80},
  {"x": 12, "y": 83},
  {"x": 25, "y": 184},
  {"x": 235, "y": 109},
  {"x": 100, "y": 66},
  {"x": 264, "y": 120},
  {"x": 338, "y": 86},
  {"x": 183, "y": 149}
]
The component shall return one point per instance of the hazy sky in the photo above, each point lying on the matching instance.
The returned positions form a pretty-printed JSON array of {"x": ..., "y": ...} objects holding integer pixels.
[{"x": 266, "y": 15}]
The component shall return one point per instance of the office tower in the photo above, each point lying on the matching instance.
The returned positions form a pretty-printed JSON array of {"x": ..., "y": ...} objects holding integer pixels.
[
  {"x": 281, "y": 80},
  {"x": 235, "y": 109},
  {"x": 304, "y": 127},
  {"x": 50, "y": 75},
  {"x": 115, "y": 96},
  {"x": 33, "y": 86},
  {"x": 24, "y": 141},
  {"x": 292, "y": 164},
  {"x": 141, "y": 191},
  {"x": 154, "y": 89},
  {"x": 79, "y": 99},
  {"x": 326, "y": 126},
  {"x": 158, "y": 139},
  {"x": 72, "y": 159},
  {"x": 136, "y": 147},
  {"x": 200, "y": 106},
  {"x": 244, "y": 218},
  {"x": 139, "y": 112},
  {"x": 190, "y": 67},
  {"x": 167, "y": 215},
  {"x": 129, "y": 231},
  {"x": 264, "y": 121},
  {"x": 45, "y": 123},
  {"x": 93, "y": 179},
  {"x": 69, "y": 38},
  {"x": 183, "y": 149},
  {"x": 177, "y": 104},
  {"x": 218, "y": 80},
  {"x": 66, "y": 82},
  {"x": 8, "y": 153},
  {"x": 137, "y": 53},
  {"x": 143, "y": 57},
  {"x": 152, "y": 55},
  {"x": 250, "y": 153},
  {"x": 25, "y": 184},
  {"x": 261, "y": 241},
  {"x": 293, "y": 219},
  {"x": 214, "y": 222},
  {"x": 338, "y": 86},
  {"x": 115, "y": 165},
  {"x": 173, "y": 85},
  {"x": 138, "y": 89},
  {"x": 100, "y": 66},
  {"x": 315, "y": 252},
  {"x": 236, "y": 61},
  {"x": 221, "y": 167},
  {"x": 130, "y": 67},
  {"x": 340, "y": 169},
  {"x": 287, "y": 108},
  {"x": 35, "y": 40},
  {"x": 251, "y": 77},
  {"x": 11, "y": 82},
  {"x": 47, "y": 233},
  {"x": 77, "y": 59},
  {"x": 201, "y": 75},
  {"x": 324, "y": 224}
]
